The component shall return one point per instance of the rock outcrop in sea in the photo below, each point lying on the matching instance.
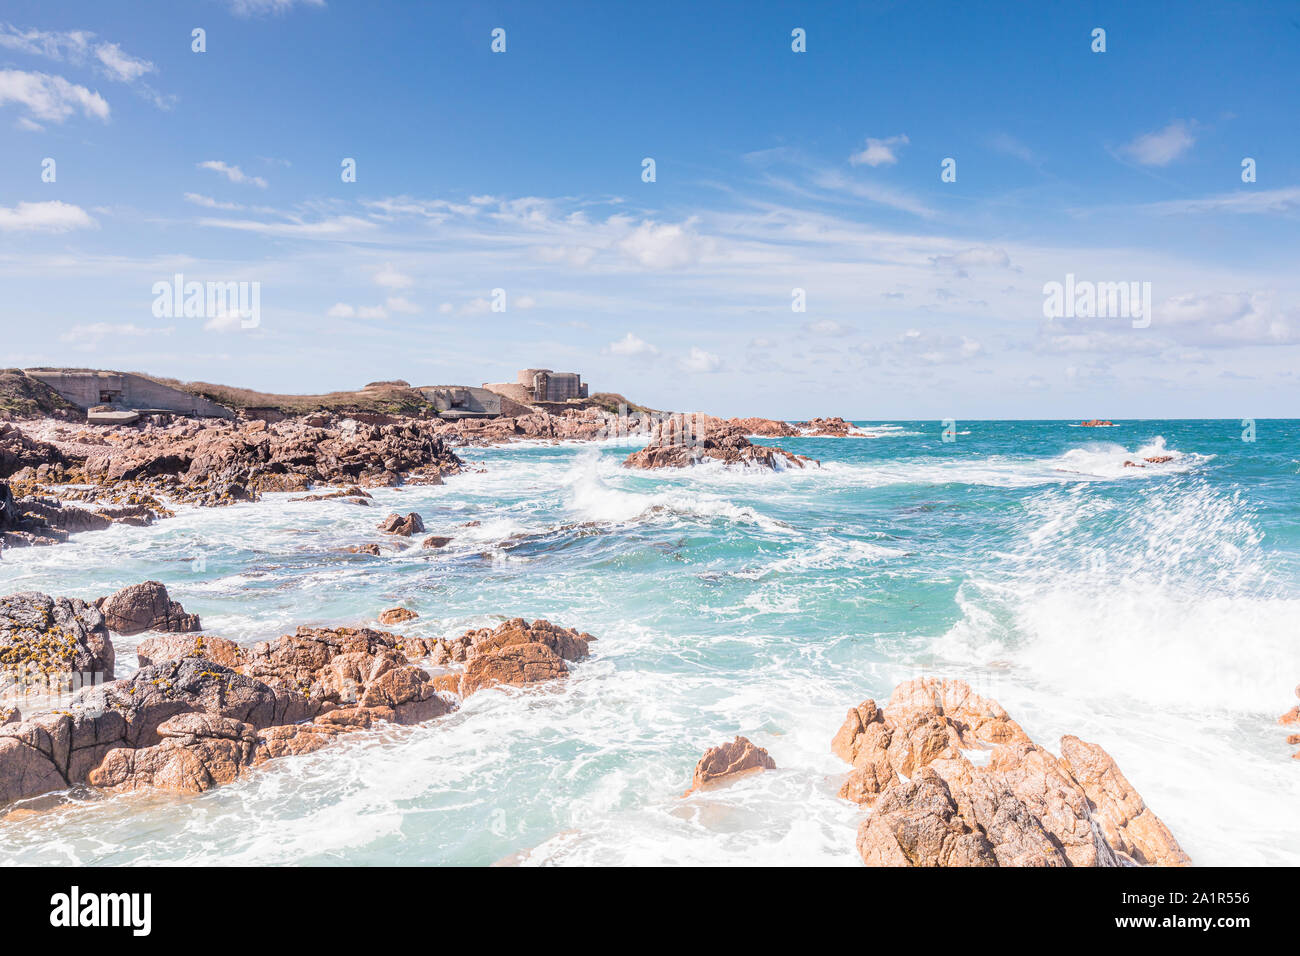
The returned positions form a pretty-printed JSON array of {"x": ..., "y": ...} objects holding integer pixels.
[
  {"x": 726, "y": 763},
  {"x": 835, "y": 427},
  {"x": 680, "y": 442},
  {"x": 145, "y": 607},
  {"x": 932, "y": 805}
]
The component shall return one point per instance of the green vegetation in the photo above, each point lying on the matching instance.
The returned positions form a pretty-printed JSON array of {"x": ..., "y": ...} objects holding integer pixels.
[
  {"x": 24, "y": 397},
  {"x": 387, "y": 398},
  {"x": 610, "y": 402}
]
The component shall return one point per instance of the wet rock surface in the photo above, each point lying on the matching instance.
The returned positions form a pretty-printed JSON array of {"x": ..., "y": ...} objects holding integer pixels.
[
  {"x": 48, "y": 642},
  {"x": 728, "y": 762},
  {"x": 680, "y": 443},
  {"x": 145, "y": 607},
  {"x": 203, "y": 711},
  {"x": 931, "y": 805}
]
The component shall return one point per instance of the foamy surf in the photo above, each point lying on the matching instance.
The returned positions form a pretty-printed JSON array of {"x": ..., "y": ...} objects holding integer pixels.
[{"x": 1149, "y": 610}]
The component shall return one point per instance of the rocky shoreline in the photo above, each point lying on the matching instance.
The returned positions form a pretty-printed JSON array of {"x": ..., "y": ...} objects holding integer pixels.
[
  {"x": 948, "y": 779},
  {"x": 945, "y": 776},
  {"x": 59, "y": 477},
  {"x": 933, "y": 805},
  {"x": 202, "y": 711}
]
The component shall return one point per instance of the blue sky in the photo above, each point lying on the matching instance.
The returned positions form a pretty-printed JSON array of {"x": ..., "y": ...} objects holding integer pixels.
[{"x": 775, "y": 171}]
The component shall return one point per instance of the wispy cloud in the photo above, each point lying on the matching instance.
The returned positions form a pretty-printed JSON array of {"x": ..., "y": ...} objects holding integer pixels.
[
  {"x": 94, "y": 332},
  {"x": 49, "y": 99},
  {"x": 82, "y": 48},
  {"x": 1247, "y": 201},
  {"x": 880, "y": 152},
  {"x": 1161, "y": 147},
  {"x": 1008, "y": 145},
  {"x": 52, "y": 216},
  {"x": 207, "y": 202},
  {"x": 257, "y": 8},
  {"x": 232, "y": 173}
]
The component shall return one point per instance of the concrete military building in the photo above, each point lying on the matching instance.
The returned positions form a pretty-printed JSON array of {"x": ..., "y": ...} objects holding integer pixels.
[{"x": 541, "y": 385}]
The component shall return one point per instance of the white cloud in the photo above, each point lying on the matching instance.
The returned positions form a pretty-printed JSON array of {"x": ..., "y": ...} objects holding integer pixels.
[
  {"x": 207, "y": 202},
  {"x": 986, "y": 257},
  {"x": 121, "y": 65},
  {"x": 701, "y": 361},
  {"x": 52, "y": 216},
  {"x": 828, "y": 327},
  {"x": 339, "y": 227},
  {"x": 577, "y": 256},
  {"x": 1227, "y": 318},
  {"x": 78, "y": 47},
  {"x": 872, "y": 192},
  {"x": 1286, "y": 200},
  {"x": 342, "y": 310},
  {"x": 391, "y": 278},
  {"x": 257, "y": 8},
  {"x": 224, "y": 322},
  {"x": 1200, "y": 320},
  {"x": 81, "y": 48},
  {"x": 50, "y": 98},
  {"x": 664, "y": 245},
  {"x": 880, "y": 152},
  {"x": 525, "y": 302},
  {"x": 1008, "y": 145},
  {"x": 232, "y": 173},
  {"x": 397, "y": 303},
  {"x": 1161, "y": 147},
  {"x": 631, "y": 344},
  {"x": 923, "y": 348},
  {"x": 97, "y": 331}
]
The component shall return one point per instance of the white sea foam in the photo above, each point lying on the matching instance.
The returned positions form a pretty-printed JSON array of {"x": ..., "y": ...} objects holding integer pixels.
[
  {"x": 1154, "y": 627},
  {"x": 1142, "y": 614},
  {"x": 593, "y": 495}
]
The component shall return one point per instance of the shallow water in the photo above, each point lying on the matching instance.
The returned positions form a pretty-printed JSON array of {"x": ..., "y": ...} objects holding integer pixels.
[{"x": 1155, "y": 611}]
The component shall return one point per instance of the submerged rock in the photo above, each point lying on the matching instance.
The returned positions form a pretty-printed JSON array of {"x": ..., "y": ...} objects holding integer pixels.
[
  {"x": 932, "y": 806},
  {"x": 396, "y": 615},
  {"x": 145, "y": 607},
  {"x": 727, "y": 762}
]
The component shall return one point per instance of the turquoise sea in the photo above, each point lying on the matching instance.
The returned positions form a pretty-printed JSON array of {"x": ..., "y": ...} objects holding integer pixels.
[{"x": 1153, "y": 610}]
